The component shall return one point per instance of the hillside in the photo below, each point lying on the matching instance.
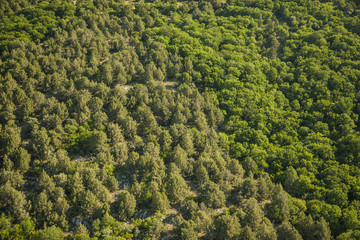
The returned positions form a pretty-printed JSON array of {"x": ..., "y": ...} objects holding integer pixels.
[{"x": 216, "y": 119}]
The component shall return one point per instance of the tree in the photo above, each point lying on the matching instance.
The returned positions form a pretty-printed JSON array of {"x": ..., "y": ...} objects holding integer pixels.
[
  {"x": 44, "y": 210},
  {"x": 13, "y": 202},
  {"x": 9, "y": 138},
  {"x": 25, "y": 228},
  {"x": 179, "y": 117},
  {"x": 247, "y": 234},
  {"x": 201, "y": 174},
  {"x": 264, "y": 187},
  {"x": 129, "y": 125},
  {"x": 14, "y": 178},
  {"x": 5, "y": 222},
  {"x": 227, "y": 227},
  {"x": 272, "y": 45},
  {"x": 99, "y": 190},
  {"x": 176, "y": 188},
  {"x": 21, "y": 159},
  {"x": 249, "y": 187},
  {"x": 45, "y": 183},
  {"x": 61, "y": 207},
  {"x": 266, "y": 230},
  {"x": 290, "y": 180},
  {"x": 76, "y": 186},
  {"x": 137, "y": 95},
  {"x": 151, "y": 227},
  {"x": 165, "y": 141},
  {"x": 181, "y": 160},
  {"x": 338, "y": 196},
  {"x": 146, "y": 118},
  {"x": 189, "y": 209},
  {"x": 321, "y": 230},
  {"x": 286, "y": 231},
  {"x": 105, "y": 74},
  {"x": 187, "y": 231},
  {"x": 120, "y": 152},
  {"x": 187, "y": 142},
  {"x": 212, "y": 196},
  {"x": 250, "y": 166},
  {"x": 124, "y": 206},
  {"x": 82, "y": 237},
  {"x": 103, "y": 158},
  {"x": 88, "y": 204},
  {"x": 40, "y": 144},
  {"x": 305, "y": 226},
  {"x": 159, "y": 202},
  {"x": 253, "y": 214},
  {"x": 98, "y": 142},
  {"x": 115, "y": 134},
  {"x": 200, "y": 121},
  {"x": 279, "y": 209},
  {"x": 51, "y": 233}
]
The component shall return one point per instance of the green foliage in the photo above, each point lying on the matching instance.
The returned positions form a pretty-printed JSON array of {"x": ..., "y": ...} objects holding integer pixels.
[
  {"x": 52, "y": 233},
  {"x": 227, "y": 226},
  {"x": 210, "y": 119},
  {"x": 286, "y": 231},
  {"x": 13, "y": 202},
  {"x": 177, "y": 189},
  {"x": 124, "y": 206}
]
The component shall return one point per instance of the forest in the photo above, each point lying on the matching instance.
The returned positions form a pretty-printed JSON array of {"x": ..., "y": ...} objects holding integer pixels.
[{"x": 176, "y": 119}]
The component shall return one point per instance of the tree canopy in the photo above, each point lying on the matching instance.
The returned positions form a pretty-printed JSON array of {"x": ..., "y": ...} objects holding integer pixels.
[{"x": 179, "y": 119}]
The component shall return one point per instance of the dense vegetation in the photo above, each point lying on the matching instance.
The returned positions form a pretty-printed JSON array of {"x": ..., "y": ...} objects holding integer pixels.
[{"x": 217, "y": 119}]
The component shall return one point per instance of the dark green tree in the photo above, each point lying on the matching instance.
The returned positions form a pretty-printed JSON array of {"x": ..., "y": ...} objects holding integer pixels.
[{"x": 124, "y": 206}]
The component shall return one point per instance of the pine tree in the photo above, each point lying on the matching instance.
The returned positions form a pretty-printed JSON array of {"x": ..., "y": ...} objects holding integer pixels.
[
  {"x": 124, "y": 206},
  {"x": 288, "y": 232},
  {"x": 176, "y": 187}
]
